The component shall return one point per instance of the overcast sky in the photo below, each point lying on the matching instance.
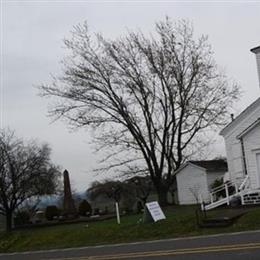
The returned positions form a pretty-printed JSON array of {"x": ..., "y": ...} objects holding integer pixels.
[{"x": 31, "y": 45}]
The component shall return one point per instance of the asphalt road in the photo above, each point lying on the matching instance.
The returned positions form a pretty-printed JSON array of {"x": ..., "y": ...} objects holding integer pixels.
[{"x": 244, "y": 245}]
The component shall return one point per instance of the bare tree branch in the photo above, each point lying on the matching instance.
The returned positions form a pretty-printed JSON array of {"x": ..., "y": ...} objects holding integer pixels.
[
  {"x": 145, "y": 97},
  {"x": 25, "y": 172}
]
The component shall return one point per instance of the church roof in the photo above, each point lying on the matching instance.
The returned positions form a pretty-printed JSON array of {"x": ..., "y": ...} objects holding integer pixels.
[
  {"x": 212, "y": 165},
  {"x": 249, "y": 128},
  {"x": 217, "y": 165},
  {"x": 243, "y": 114}
]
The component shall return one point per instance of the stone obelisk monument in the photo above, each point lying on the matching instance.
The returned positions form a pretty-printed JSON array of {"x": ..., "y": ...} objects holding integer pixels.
[{"x": 69, "y": 209}]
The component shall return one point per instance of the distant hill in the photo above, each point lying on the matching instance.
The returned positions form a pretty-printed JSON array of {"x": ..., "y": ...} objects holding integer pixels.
[{"x": 55, "y": 199}]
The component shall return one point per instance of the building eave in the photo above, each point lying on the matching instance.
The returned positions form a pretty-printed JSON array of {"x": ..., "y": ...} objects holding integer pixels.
[
  {"x": 189, "y": 164},
  {"x": 255, "y": 50},
  {"x": 227, "y": 128},
  {"x": 247, "y": 130}
]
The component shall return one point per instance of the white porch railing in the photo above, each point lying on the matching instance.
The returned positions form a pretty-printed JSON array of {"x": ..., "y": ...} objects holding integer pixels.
[
  {"x": 245, "y": 184},
  {"x": 224, "y": 193}
]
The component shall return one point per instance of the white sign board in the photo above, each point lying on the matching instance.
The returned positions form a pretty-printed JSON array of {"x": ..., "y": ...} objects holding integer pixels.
[{"x": 155, "y": 210}]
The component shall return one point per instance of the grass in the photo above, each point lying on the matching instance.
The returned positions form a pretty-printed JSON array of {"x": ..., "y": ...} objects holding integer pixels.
[{"x": 180, "y": 222}]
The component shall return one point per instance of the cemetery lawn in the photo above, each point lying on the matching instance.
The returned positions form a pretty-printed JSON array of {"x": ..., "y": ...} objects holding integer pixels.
[{"x": 180, "y": 222}]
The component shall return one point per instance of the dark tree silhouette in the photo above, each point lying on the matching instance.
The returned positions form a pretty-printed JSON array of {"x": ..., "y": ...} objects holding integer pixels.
[
  {"x": 84, "y": 208},
  {"x": 114, "y": 190},
  {"x": 25, "y": 172},
  {"x": 143, "y": 187},
  {"x": 149, "y": 99}
]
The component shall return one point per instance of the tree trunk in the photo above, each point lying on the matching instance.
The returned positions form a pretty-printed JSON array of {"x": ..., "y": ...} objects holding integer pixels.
[
  {"x": 144, "y": 201},
  {"x": 8, "y": 218},
  {"x": 162, "y": 193}
]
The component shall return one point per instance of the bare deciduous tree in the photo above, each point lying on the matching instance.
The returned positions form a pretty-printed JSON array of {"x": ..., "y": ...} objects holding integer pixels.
[
  {"x": 149, "y": 99},
  {"x": 25, "y": 172},
  {"x": 142, "y": 186}
]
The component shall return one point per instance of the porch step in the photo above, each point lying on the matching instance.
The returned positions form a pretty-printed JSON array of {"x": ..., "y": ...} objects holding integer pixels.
[
  {"x": 222, "y": 221},
  {"x": 252, "y": 197},
  {"x": 216, "y": 223}
]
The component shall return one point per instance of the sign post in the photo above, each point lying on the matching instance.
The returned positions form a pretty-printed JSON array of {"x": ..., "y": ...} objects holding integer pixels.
[{"x": 117, "y": 213}]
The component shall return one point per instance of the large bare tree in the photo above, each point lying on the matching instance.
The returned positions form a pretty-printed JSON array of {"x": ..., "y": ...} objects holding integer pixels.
[
  {"x": 149, "y": 99},
  {"x": 25, "y": 172}
]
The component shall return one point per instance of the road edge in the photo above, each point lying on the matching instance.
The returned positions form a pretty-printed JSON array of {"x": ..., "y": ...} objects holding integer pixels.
[{"x": 130, "y": 243}]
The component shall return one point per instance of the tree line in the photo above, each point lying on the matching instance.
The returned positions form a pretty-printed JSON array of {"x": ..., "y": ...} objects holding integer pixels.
[{"x": 26, "y": 172}]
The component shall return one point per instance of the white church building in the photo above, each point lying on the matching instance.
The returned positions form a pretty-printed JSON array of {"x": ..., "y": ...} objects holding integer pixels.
[{"x": 242, "y": 141}]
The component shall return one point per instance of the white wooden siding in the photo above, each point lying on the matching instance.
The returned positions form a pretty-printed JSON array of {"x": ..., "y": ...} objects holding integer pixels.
[
  {"x": 233, "y": 146},
  {"x": 190, "y": 180},
  {"x": 252, "y": 147}
]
